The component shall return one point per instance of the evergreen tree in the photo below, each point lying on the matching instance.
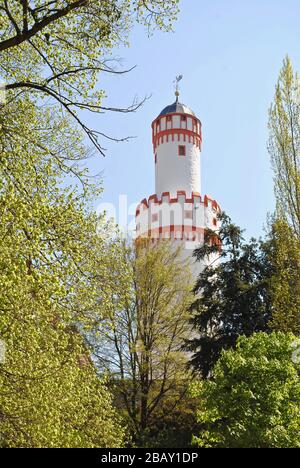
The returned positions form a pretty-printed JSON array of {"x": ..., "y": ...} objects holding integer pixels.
[{"x": 232, "y": 298}]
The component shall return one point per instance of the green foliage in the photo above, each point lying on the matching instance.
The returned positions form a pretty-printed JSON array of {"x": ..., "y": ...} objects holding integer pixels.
[
  {"x": 253, "y": 399},
  {"x": 232, "y": 297},
  {"x": 284, "y": 145},
  {"x": 58, "y": 261},
  {"x": 54, "y": 51},
  {"x": 174, "y": 422},
  {"x": 53, "y": 250},
  {"x": 285, "y": 285},
  {"x": 145, "y": 332},
  {"x": 284, "y": 148}
]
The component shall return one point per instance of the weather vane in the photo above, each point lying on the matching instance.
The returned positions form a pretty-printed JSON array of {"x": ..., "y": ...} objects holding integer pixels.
[{"x": 176, "y": 81}]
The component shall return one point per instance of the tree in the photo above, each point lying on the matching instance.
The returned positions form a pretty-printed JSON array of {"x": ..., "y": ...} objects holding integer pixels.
[
  {"x": 54, "y": 264},
  {"x": 284, "y": 145},
  {"x": 145, "y": 333},
  {"x": 285, "y": 284},
  {"x": 174, "y": 421},
  {"x": 54, "y": 50},
  {"x": 232, "y": 297},
  {"x": 253, "y": 399},
  {"x": 284, "y": 148},
  {"x": 50, "y": 393},
  {"x": 56, "y": 255}
]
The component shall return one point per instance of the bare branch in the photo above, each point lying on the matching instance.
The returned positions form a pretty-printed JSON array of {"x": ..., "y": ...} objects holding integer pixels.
[{"x": 40, "y": 25}]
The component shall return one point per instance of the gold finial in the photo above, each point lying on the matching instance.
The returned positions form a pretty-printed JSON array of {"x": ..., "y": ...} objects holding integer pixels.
[{"x": 177, "y": 79}]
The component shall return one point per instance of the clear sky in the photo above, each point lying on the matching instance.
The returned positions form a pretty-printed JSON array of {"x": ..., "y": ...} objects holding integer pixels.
[{"x": 230, "y": 53}]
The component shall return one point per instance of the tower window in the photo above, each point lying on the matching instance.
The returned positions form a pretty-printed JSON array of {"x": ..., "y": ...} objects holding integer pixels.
[
  {"x": 188, "y": 214},
  {"x": 183, "y": 118},
  {"x": 181, "y": 150},
  {"x": 154, "y": 217},
  {"x": 155, "y": 158},
  {"x": 169, "y": 118}
]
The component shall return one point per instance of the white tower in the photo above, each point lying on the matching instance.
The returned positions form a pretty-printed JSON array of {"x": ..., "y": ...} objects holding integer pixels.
[
  {"x": 177, "y": 211},
  {"x": 176, "y": 134}
]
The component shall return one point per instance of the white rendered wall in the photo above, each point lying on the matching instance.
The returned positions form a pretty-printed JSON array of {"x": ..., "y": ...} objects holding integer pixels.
[
  {"x": 182, "y": 220},
  {"x": 161, "y": 213},
  {"x": 177, "y": 211},
  {"x": 174, "y": 172},
  {"x": 204, "y": 217}
]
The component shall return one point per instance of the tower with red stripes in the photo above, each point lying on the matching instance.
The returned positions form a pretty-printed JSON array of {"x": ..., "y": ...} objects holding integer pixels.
[{"x": 177, "y": 210}]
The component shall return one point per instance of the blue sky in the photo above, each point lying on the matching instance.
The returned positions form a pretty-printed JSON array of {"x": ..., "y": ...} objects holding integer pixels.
[{"x": 230, "y": 53}]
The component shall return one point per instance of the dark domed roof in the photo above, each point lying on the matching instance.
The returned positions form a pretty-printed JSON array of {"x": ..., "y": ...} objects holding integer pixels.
[{"x": 177, "y": 107}]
